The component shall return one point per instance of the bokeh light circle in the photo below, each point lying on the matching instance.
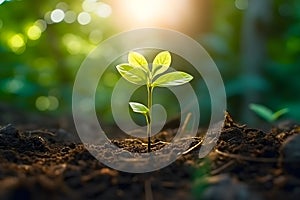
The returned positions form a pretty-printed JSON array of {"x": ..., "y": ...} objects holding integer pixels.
[{"x": 57, "y": 15}]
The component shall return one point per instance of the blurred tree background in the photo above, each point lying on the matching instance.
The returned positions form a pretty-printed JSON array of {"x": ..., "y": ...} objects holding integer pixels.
[{"x": 255, "y": 44}]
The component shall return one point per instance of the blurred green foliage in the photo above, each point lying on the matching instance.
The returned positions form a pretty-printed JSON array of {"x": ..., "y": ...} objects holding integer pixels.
[
  {"x": 277, "y": 83},
  {"x": 40, "y": 57},
  {"x": 282, "y": 70}
]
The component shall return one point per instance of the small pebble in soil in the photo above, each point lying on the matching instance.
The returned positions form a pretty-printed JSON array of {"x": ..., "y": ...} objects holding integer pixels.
[
  {"x": 290, "y": 155},
  {"x": 9, "y": 131}
]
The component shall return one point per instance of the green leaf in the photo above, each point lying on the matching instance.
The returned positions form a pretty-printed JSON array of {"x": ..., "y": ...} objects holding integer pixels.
[
  {"x": 262, "y": 111},
  {"x": 161, "y": 63},
  {"x": 139, "y": 108},
  {"x": 172, "y": 79},
  {"x": 132, "y": 74},
  {"x": 279, "y": 113},
  {"x": 138, "y": 60}
]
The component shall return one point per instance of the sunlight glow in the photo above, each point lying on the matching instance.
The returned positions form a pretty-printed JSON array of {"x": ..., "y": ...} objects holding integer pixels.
[
  {"x": 1, "y": 1},
  {"x": 147, "y": 9},
  {"x": 144, "y": 10},
  {"x": 137, "y": 13}
]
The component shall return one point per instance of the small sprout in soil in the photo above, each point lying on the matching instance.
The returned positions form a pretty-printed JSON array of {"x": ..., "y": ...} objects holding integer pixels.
[
  {"x": 138, "y": 71},
  {"x": 266, "y": 113}
]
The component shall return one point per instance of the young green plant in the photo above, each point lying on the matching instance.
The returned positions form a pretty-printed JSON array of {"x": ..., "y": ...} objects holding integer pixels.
[
  {"x": 266, "y": 113},
  {"x": 139, "y": 72}
]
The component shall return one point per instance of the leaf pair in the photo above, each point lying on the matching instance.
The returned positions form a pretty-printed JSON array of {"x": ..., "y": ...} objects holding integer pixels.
[
  {"x": 137, "y": 71},
  {"x": 160, "y": 63},
  {"x": 266, "y": 113}
]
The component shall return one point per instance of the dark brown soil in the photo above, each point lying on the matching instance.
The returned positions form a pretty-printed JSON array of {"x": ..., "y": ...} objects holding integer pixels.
[{"x": 246, "y": 164}]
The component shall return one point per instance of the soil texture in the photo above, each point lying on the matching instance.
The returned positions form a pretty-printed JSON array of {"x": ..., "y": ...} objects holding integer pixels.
[{"x": 246, "y": 163}]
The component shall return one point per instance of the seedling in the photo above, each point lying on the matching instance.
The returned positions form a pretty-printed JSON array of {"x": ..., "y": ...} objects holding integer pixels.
[
  {"x": 266, "y": 113},
  {"x": 139, "y": 72}
]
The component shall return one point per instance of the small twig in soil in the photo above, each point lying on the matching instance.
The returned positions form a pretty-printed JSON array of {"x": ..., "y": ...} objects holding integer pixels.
[
  {"x": 39, "y": 131},
  {"x": 185, "y": 123},
  {"x": 193, "y": 147},
  {"x": 246, "y": 158},
  {"x": 159, "y": 142},
  {"x": 220, "y": 169}
]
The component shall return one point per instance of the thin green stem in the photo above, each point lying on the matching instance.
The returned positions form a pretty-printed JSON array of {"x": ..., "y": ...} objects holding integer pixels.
[
  {"x": 149, "y": 116},
  {"x": 148, "y": 131}
]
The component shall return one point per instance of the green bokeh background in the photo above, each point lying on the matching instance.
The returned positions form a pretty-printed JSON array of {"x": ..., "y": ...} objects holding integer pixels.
[{"x": 39, "y": 58}]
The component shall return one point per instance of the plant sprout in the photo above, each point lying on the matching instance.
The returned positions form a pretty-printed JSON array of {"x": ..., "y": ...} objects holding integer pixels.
[
  {"x": 266, "y": 113},
  {"x": 139, "y": 72}
]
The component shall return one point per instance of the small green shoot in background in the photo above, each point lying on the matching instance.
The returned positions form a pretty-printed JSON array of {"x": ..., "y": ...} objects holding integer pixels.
[
  {"x": 138, "y": 71},
  {"x": 266, "y": 113}
]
